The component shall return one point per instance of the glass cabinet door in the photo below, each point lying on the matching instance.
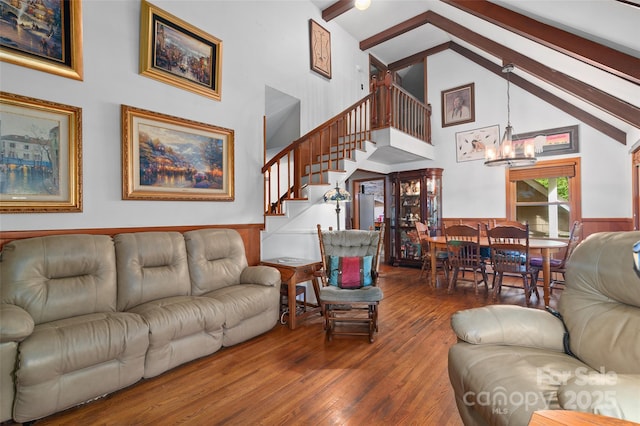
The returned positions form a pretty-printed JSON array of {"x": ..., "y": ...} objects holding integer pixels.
[{"x": 409, "y": 212}]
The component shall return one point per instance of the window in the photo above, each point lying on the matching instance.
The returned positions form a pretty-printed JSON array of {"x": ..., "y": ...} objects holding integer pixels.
[{"x": 547, "y": 196}]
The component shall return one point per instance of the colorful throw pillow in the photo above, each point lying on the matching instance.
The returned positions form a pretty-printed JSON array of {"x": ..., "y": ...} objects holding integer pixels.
[{"x": 349, "y": 271}]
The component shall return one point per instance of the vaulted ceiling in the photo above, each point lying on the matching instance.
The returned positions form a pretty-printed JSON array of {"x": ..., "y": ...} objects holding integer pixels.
[{"x": 583, "y": 57}]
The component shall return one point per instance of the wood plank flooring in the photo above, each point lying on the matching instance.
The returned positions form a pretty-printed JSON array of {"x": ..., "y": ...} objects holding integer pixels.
[{"x": 298, "y": 378}]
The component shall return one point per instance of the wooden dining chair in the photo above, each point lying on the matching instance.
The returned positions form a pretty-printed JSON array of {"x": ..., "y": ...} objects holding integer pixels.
[
  {"x": 422, "y": 230},
  {"x": 510, "y": 255},
  {"x": 558, "y": 266},
  {"x": 463, "y": 254}
]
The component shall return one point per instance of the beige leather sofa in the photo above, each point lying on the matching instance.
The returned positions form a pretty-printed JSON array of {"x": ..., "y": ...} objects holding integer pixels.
[
  {"x": 85, "y": 315},
  {"x": 510, "y": 361}
]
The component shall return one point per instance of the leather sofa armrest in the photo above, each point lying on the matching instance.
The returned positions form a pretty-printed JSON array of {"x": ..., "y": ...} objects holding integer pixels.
[
  {"x": 15, "y": 323},
  {"x": 509, "y": 325},
  {"x": 261, "y": 274},
  {"x": 607, "y": 394}
]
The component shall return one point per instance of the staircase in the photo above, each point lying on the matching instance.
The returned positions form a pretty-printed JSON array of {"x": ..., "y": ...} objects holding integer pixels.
[{"x": 296, "y": 179}]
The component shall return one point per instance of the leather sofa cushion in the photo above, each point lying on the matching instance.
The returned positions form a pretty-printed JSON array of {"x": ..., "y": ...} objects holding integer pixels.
[
  {"x": 216, "y": 259},
  {"x": 601, "y": 302},
  {"x": 70, "y": 361},
  {"x": 508, "y": 383},
  {"x": 181, "y": 329},
  {"x": 59, "y": 276},
  {"x": 245, "y": 301},
  {"x": 151, "y": 266}
]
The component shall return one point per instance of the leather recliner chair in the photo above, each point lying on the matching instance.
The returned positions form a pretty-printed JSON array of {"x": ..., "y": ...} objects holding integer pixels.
[{"x": 511, "y": 361}]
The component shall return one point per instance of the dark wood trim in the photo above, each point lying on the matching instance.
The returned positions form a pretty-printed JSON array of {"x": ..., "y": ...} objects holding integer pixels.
[
  {"x": 595, "y": 54},
  {"x": 418, "y": 57},
  {"x": 604, "y": 224},
  {"x": 598, "y": 124},
  {"x": 250, "y": 234},
  {"x": 585, "y": 92},
  {"x": 337, "y": 9},
  {"x": 395, "y": 31},
  {"x": 635, "y": 175}
]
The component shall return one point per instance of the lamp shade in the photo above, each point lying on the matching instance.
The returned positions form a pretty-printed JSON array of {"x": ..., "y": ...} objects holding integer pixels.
[{"x": 336, "y": 194}]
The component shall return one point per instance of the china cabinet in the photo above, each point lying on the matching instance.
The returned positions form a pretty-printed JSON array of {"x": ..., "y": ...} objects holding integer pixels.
[{"x": 416, "y": 196}]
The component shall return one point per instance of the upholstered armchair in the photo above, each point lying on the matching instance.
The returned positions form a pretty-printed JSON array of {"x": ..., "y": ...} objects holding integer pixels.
[{"x": 511, "y": 361}]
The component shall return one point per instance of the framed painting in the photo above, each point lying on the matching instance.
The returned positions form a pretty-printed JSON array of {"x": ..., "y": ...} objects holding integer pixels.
[
  {"x": 458, "y": 105},
  {"x": 320, "y": 49},
  {"x": 46, "y": 36},
  {"x": 174, "y": 52},
  {"x": 40, "y": 156},
  {"x": 558, "y": 141},
  {"x": 470, "y": 145},
  {"x": 170, "y": 158}
]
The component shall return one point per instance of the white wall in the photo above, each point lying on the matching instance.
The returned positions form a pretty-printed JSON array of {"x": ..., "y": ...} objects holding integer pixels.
[
  {"x": 471, "y": 189},
  {"x": 264, "y": 43}
]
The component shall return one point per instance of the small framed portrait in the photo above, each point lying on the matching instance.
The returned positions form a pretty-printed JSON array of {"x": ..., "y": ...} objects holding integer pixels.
[
  {"x": 40, "y": 156},
  {"x": 171, "y": 158},
  {"x": 177, "y": 53},
  {"x": 320, "y": 49},
  {"x": 470, "y": 145},
  {"x": 458, "y": 105},
  {"x": 43, "y": 35}
]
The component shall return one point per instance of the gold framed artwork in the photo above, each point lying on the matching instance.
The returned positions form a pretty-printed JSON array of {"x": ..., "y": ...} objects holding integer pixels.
[
  {"x": 177, "y": 53},
  {"x": 40, "y": 156},
  {"x": 320, "y": 49},
  {"x": 45, "y": 36},
  {"x": 458, "y": 105},
  {"x": 171, "y": 158}
]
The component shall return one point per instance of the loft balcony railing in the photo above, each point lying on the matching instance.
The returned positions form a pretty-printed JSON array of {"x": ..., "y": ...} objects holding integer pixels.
[{"x": 307, "y": 160}]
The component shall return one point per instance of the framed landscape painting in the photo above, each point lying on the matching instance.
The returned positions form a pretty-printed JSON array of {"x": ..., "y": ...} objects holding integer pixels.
[
  {"x": 40, "y": 156},
  {"x": 171, "y": 158},
  {"x": 177, "y": 53},
  {"x": 43, "y": 35}
]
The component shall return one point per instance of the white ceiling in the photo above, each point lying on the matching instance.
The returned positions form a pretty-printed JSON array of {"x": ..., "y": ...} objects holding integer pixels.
[{"x": 608, "y": 22}]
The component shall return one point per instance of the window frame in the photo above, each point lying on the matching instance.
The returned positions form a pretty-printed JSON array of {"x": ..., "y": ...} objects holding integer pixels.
[{"x": 540, "y": 170}]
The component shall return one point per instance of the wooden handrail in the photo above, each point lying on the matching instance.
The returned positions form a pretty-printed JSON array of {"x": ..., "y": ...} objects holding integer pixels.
[{"x": 307, "y": 160}]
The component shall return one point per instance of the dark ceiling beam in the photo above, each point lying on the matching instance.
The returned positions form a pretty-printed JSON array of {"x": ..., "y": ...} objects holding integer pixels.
[
  {"x": 337, "y": 9},
  {"x": 418, "y": 57},
  {"x": 395, "y": 31},
  {"x": 596, "y": 123},
  {"x": 595, "y": 54},
  {"x": 616, "y": 107}
]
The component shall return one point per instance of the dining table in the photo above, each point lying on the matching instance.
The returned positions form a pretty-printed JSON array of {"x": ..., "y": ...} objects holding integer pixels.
[{"x": 545, "y": 245}]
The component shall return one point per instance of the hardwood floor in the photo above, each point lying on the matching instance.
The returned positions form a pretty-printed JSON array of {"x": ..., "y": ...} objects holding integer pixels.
[{"x": 298, "y": 378}]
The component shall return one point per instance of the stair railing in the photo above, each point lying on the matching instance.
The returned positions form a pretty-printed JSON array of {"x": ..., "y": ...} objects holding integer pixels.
[
  {"x": 308, "y": 159},
  {"x": 395, "y": 107}
]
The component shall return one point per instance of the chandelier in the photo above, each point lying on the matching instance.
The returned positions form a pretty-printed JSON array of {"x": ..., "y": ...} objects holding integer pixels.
[{"x": 508, "y": 154}]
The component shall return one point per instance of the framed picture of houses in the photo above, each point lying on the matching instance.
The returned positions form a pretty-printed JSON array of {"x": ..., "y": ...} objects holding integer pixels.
[
  {"x": 177, "y": 53},
  {"x": 40, "y": 156},
  {"x": 171, "y": 158},
  {"x": 45, "y": 36}
]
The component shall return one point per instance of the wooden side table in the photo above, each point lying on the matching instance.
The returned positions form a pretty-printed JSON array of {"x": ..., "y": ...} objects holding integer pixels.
[
  {"x": 573, "y": 418},
  {"x": 293, "y": 271}
]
